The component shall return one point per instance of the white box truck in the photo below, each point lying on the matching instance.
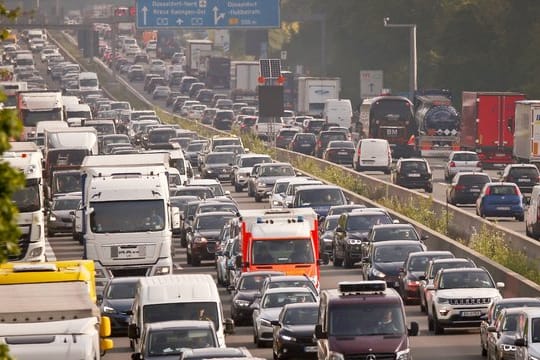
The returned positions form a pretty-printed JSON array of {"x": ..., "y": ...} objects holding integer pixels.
[
  {"x": 244, "y": 75},
  {"x": 313, "y": 93},
  {"x": 527, "y": 131},
  {"x": 27, "y": 157},
  {"x": 126, "y": 216},
  {"x": 196, "y": 51},
  {"x": 52, "y": 321}
]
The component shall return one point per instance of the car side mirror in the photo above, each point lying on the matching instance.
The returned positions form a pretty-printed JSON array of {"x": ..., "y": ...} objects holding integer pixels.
[
  {"x": 500, "y": 285},
  {"x": 424, "y": 237},
  {"x": 275, "y": 323},
  {"x": 413, "y": 331},
  {"x": 422, "y": 277},
  {"x": 395, "y": 221},
  {"x": 238, "y": 261},
  {"x": 319, "y": 333},
  {"x": 229, "y": 326}
]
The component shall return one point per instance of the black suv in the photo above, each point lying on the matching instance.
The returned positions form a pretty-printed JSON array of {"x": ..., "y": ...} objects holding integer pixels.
[
  {"x": 525, "y": 176},
  {"x": 324, "y": 138},
  {"x": 285, "y": 136},
  {"x": 466, "y": 187},
  {"x": 351, "y": 230},
  {"x": 413, "y": 174},
  {"x": 303, "y": 143}
]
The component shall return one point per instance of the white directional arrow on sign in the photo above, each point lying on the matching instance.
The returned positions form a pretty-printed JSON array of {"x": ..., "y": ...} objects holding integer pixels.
[
  {"x": 179, "y": 21},
  {"x": 144, "y": 12},
  {"x": 216, "y": 16}
]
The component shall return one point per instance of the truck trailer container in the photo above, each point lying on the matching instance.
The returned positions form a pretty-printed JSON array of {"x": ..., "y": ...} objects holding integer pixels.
[
  {"x": 313, "y": 93},
  {"x": 527, "y": 131}
]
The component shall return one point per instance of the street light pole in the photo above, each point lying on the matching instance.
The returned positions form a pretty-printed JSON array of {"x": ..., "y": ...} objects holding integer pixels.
[{"x": 413, "y": 75}]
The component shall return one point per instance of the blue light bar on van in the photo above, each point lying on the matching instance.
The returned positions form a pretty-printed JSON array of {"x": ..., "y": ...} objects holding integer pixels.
[{"x": 361, "y": 287}]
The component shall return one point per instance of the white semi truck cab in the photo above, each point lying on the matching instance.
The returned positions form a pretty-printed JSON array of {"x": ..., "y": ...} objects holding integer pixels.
[
  {"x": 27, "y": 157},
  {"x": 126, "y": 216}
]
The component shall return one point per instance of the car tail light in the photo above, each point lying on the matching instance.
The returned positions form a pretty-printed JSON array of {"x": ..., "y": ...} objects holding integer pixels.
[
  {"x": 319, "y": 144},
  {"x": 479, "y": 164},
  {"x": 517, "y": 191},
  {"x": 452, "y": 164},
  {"x": 488, "y": 190},
  {"x": 459, "y": 187},
  {"x": 509, "y": 178}
]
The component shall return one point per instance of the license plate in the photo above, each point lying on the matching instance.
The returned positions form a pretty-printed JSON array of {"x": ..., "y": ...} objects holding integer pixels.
[
  {"x": 503, "y": 208},
  {"x": 500, "y": 155},
  {"x": 223, "y": 176},
  {"x": 414, "y": 175},
  {"x": 524, "y": 180},
  {"x": 475, "y": 190},
  {"x": 342, "y": 153},
  {"x": 305, "y": 145},
  {"x": 310, "y": 349},
  {"x": 129, "y": 252},
  {"x": 471, "y": 313}
]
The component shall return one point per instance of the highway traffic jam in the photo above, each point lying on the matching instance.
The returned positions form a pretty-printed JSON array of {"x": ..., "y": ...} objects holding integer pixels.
[{"x": 190, "y": 247}]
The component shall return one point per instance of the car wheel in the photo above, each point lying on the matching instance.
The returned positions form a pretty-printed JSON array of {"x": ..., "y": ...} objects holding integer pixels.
[
  {"x": 438, "y": 328},
  {"x": 237, "y": 188},
  {"x": 520, "y": 217},
  {"x": 195, "y": 261},
  {"x": 257, "y": 198},
  {"x": 255, "y": 338},
  {"x": 429, "y": 189},
  {"x": 347, "y": 262},
  {"x": 50, "y": 233},
  {"x": 387, "y": 171},
  {"x": 325, "y": 259},
  {"x": 430, "y": 322},
  {"x": 422, "y": 305},
  {"x": 484, "y": 350},
  {"x": 250, "y": 192},
  {"x": 188, "y": 258}
]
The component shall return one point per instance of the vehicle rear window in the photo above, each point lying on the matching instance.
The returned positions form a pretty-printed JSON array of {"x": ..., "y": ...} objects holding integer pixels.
[
  {"x": 524, "y": 172},
  {"x": 473, "y": 179},
  {"x": 413, "y": 166},
  {"x": 503, "y": 190},
  {"x": 465, "y": 157},
  {"x": 288, "y": 133}
]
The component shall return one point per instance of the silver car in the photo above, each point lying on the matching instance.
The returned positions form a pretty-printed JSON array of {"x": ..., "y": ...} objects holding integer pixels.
[
  {"x": 460, "y": 161},
  {"x": 59, "y": 218}
]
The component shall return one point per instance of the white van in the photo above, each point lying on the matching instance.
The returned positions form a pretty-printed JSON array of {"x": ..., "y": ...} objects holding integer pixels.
[
  {"x": 338, "y": 111},
  {"x": 373, "y": 155},
  {"x": 177, "y": 297},
  {"x": 78, "y": 111},
  {"x": 88, "y": 81},
  {"x": 532, "y": 224}
]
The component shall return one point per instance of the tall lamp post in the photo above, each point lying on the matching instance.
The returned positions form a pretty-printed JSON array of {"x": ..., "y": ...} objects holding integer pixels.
[{"x": 412, "y": 59}]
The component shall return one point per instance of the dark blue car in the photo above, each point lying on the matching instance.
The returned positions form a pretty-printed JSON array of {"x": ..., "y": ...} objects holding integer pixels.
[
  {"x": 318, "y": 197},
  {"x": 502, "y": 199},
  {"x": 116, "y": 302}
]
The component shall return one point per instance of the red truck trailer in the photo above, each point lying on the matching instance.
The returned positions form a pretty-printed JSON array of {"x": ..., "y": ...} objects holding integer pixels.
[{"x": 486, "y": 125}]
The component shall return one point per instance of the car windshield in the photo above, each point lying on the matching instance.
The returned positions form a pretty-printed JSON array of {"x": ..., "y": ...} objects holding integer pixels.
[
  {"x": 465, "y": 157},
  {"x": 341, "y": 144},
  {"x": 181, "y": 311},
  {"x": 301, "y": 316},
  {"x": 277, "y": 171},
  {"x": 278, "y": 300},
  {"x": 308, "y": 284},
  {"x": 276, "y": 251},
  {"x": 217, "y": 207},
  {"x": 365, "y": 222},
  {"x": 366, "y": 320},
  {"x": 511, "y": 322},
  {"x": 200, "y": 193},
  {"x": 320, "y": 197},
  {"x": 66, "y": 204},
  {"x": 394, "y": 253},
  {"x": 220, "y": 158},
  {"x": 419, "y": 263},
  {"x": 251, "y": 161},
  {"x": 251, "y": 282},
  {"x": 280, "y": 187},
  {"x": 195, "y": 147},
  {"x": 394, "y": 234},
  {"x": 210, "y": 222},
  {"x": 172, "y": 341},
  {"x": 122, "y": 290},
  {"x": 448, "y": 265},
  {"x": 469, "y": 279}
]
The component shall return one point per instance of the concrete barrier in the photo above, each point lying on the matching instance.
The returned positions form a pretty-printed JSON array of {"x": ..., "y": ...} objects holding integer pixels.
[{"x": 461, "y": 222}]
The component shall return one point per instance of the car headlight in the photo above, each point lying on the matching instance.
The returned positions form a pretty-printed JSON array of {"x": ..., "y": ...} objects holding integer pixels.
[
  {"x": 354, "y": 241},
  {"x": 377, "y": 273},
  {"x": 241, "y": 177},
  {"x": 209, "y": 171},
  {"x": 109, "y": 310},
  {"x": 261, "y": 184},
  {"x": 287, "y": 337},
  {"x": 507, "y": 347},
  {"x": 265, "y": 322},
  {"x": 332, "y": 355},
  {"x": 327, "y": 240},
  {"x": 163, "y": 270},
  {"x": 277, "y": 203},
  {"x": 534, "y": 357},
  {"x": 404, "y": 355},
  {"x": 241, "y": 303},
  {"x": 442, "y": 300},
  {"x": 52, "y": 218},
  {"x": 200, "y": 239}
]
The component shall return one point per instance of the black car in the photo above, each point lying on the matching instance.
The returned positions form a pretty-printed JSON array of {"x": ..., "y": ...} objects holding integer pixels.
[
  {"x": 386, "y": 258},
  {"x": 466, "y": 187},
  {"x": 217, "y": 206},
  {"x": 158, "y": 138},
  {"x": 339, "y": 152},
  {"x": 294, "y": 331},
  {"x": 116, "y": 301},
  {"x": 314, "y": 126},
  {"x": 223, "y": 119},
  {"x": 525, "y": 176},
  {"x": 409, "y": 275},
  {"x": 326, "y": 237},
  {"x": 285, "y": 136},
  {"x": 303, "y": 143},
  {"x": 340, "y": 209},
  {"x": 218, "y": 165},
  {"x": 204, "y": 96},
  {"x": 352, "y": 229},
  {"x": 413, "y": 174},
  {"x": 172, "y": 96},
  {"x": 501, "y": 338},
  {"x": 192, "y": 151},
  {"x": 245, "y": 291},
  {"x": 324, "y": 138},
  {"x": 203, "y": 236}
]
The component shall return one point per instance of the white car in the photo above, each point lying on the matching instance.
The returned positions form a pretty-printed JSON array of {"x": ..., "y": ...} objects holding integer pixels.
[
  {"x": 151, "y": 45},
  {"x": 45, "y": 53},
  {"x": 196, "y": 111},
  {"x": 277, "y": 196},
  {"x": 460, "y": 161},
  {"x": 184, "y": 111},
  {"x": 528, "y": 335},
  {"x": 132, "y": 50},
  {"x": 243, "y": 166},
  {"x": 460, "y": 298},
  {"x": 157, "y": 66},
  {"x": 268, "y": 309}
]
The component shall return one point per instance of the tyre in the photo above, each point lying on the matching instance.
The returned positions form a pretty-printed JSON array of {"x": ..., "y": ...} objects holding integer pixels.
[
  {"x": 387, "y": 172},
  {"x": 336, "y": 261},
  {"x": 188, "y": 258},
  {"x": 347, "y": 262},
  {"x": 520, "y": 217},
  {"x": 237, "y": 188},
  {"x": 484, "y": 351},
  {"x": 50, "y": 233},
  {"x": 438, "y": 328},
  {"x": 430, "y": 322},
  {"x": 195, "y": 261},
  {"x": 422, "y": 306},
  {"x": 250, "y": 192},
  {"x": 429, "y": 189},
  {"x": 257, "y": 198}
]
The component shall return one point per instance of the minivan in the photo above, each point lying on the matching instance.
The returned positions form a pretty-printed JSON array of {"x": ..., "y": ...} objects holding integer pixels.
[
  {"x": 363, "y": 317},
  {"x": 373, "y": 155},
  {"x": 176, "y": 297},
  {"x": 338, "y": 111}
]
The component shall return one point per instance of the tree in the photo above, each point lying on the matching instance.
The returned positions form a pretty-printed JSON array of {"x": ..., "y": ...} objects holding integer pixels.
[{"x": 10, "y": 179}]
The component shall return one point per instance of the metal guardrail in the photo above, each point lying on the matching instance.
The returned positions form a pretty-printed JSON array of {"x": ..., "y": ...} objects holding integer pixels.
[{"x": 516, "y": 285}]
